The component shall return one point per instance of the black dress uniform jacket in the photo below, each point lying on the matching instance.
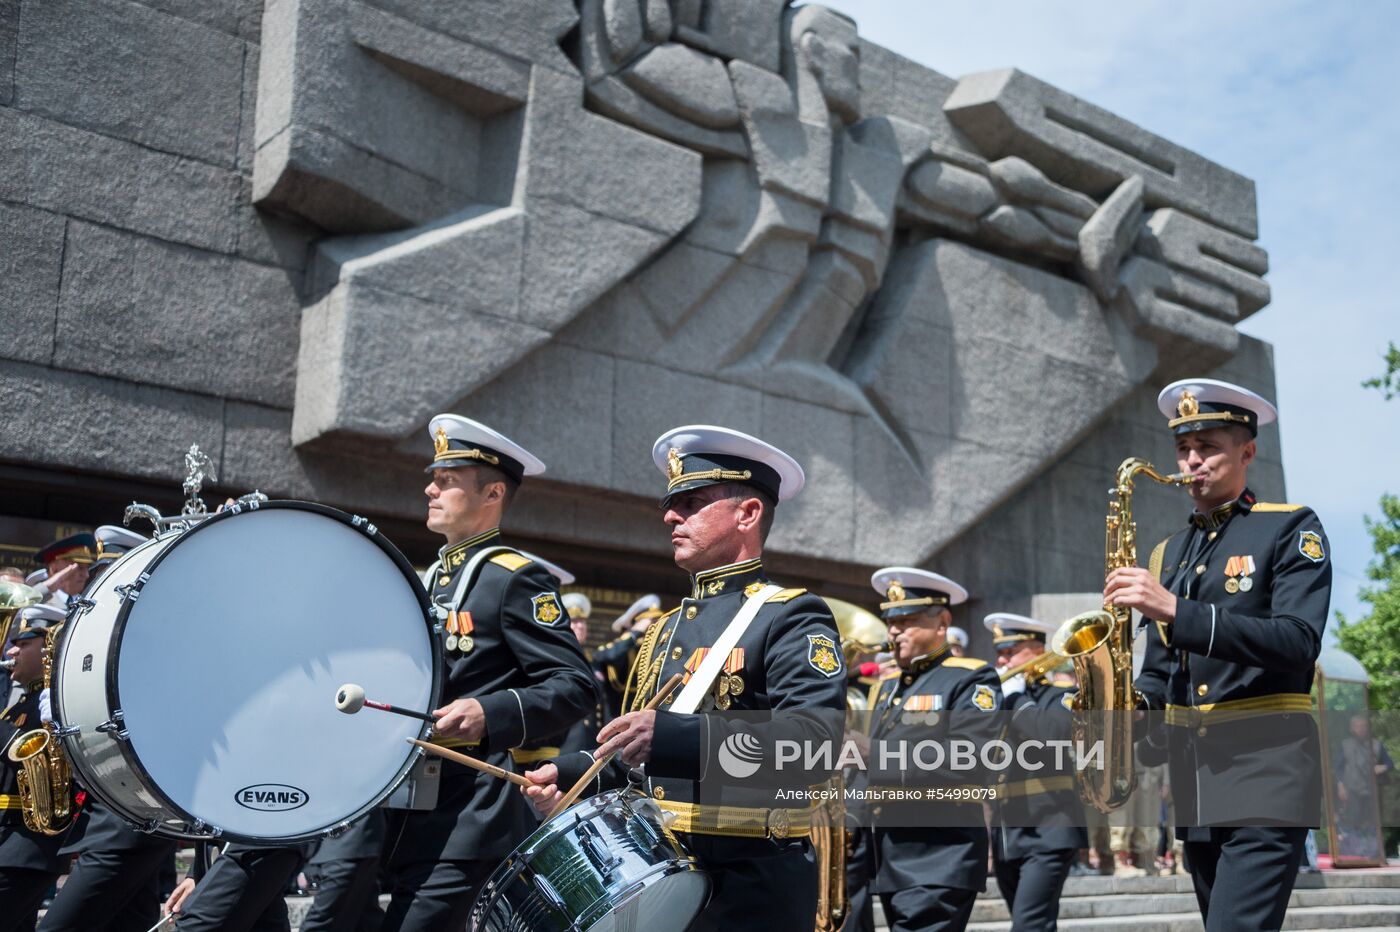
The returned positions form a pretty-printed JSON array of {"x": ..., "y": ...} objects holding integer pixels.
[
  {"x": 941, "y": 843},
  {"x": 529, "y": 673},
  {"x": 1238, "y": 647},
  {"x": 612, "y": 662},
  {"x": 19, "y": 847},
  {"x": 1038, "y": 811}
]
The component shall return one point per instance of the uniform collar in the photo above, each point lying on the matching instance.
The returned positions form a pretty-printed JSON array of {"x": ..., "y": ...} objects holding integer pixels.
[
  {"x": 726, "y": 579},
  {"x": 932, "y": 659},
  {"x": 463, "y": 548},
  {"x": 1217, "y": 516}
]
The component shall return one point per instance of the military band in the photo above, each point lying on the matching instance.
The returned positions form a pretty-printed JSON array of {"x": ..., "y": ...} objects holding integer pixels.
[{"x": 1233, "y": 609}]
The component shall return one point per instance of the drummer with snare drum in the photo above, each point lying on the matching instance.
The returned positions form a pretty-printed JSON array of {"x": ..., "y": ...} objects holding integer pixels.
[
  {"x": 514, "y": 671},
  {"x": 722, "y": 488}
]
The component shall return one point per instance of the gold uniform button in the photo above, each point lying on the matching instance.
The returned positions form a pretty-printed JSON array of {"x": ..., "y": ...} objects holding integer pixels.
[
  {"x": 1212, "y": 535},
  {"x": 691, "y": 612},
  {"x": 908, "y": 680},
  {"x": 1200, "y": 569},
  {"x": 1201, "y": 732},
  {"x": 1202, "y": 689},
  {"x": 675, "y": 653},
  {"x": 659, "y": 793},
  {"x": 894, "y": 701}
]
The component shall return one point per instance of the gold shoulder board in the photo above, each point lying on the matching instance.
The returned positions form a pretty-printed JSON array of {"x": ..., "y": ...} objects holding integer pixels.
[
  {"x": 965, "y": 663},
  {"x": 511, "y": 561},
  {"x": 1274, "y": 506},
  {"x": 787, "y": 595}
]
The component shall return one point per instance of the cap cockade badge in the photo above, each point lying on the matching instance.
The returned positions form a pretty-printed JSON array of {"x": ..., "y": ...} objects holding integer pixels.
[
  {"x": 674, "y": 467},
  {"x": 895, "y": 593},
  {"x": 440, "y": 442},
  {"x": 1187, "y": 406}
]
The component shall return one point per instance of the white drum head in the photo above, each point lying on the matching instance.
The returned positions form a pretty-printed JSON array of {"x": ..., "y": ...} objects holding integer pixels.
[{"x": 228, "y": 663}]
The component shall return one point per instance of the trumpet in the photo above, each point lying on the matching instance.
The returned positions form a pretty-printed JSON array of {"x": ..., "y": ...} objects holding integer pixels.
[{"x": 1036, "y": 666}]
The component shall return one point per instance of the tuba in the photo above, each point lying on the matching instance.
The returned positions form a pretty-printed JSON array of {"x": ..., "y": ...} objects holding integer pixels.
[
  {"x": 1100, "y": 645},
  {"x": 862, "y": 633},
  {"x": 45, "y": 777}
]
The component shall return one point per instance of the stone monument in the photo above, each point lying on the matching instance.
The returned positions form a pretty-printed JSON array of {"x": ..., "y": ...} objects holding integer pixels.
[{"x": 293, "y": 230}]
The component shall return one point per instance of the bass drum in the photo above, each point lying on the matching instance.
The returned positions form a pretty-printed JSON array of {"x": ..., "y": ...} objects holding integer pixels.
[
  {"x": 195, "y": 683},
  {"x": 609, "y": 864}
]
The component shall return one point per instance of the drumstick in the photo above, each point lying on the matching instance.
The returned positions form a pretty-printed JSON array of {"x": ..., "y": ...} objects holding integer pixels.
[
  {"x": 350, "y": 699},
  {"x": 574, "y": 791},
  {"x": 472, "y": 762}
]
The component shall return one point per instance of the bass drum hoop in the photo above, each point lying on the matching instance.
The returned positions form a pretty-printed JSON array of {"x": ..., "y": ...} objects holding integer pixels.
[{"x": 133, "y": 760}]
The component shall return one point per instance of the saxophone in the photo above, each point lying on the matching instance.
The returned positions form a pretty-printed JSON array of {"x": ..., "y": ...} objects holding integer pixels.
[
  {"x": 1100, "y": 645},
  {"x": 45, "y": 777}
]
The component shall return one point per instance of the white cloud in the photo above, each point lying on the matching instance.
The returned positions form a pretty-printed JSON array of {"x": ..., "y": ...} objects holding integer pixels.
[{"x": 1298, "y": 96}]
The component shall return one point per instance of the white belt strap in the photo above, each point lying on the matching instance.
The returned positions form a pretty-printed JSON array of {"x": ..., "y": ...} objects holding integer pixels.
[
  {"x": 468, "y": 576},
  {"x": 699, "y": 686}
]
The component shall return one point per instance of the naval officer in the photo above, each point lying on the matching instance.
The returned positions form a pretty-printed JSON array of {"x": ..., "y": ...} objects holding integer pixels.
[
  {"x": 722, "y": 487},
  {"x": 928, "y": 862},
  {"x": 29, "y": 861},
  {"x": 1239, "y": 598},
  {"x": 1038, "y": 827},
  {"x": 514, "y": 672}
]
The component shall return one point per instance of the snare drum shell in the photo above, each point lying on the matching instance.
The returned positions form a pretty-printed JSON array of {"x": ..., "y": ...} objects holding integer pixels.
[{"x": 169, "y": 657}]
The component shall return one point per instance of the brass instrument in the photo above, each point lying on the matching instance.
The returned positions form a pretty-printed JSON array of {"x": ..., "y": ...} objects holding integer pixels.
[
  {"x": 862, "y": 632},
  {"x": 45, "y": 777},
  {"x": 1036, "y": 666},
  {"x": 1100, "y": 645},
  {"x": 13, "y": 597}
]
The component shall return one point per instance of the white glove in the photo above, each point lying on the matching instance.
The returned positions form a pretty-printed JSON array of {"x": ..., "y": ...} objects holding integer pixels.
[
  {"x": 1017, "y": 684},
  {"x": 45, "y": 708}
]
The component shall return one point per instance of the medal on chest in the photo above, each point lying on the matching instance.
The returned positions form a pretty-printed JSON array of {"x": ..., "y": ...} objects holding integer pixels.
[
  {"x": 729, "y": 683},
  {"x": 459, "y": 632}
]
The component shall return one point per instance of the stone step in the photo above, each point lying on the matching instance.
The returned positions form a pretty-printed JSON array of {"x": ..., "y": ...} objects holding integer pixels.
[
  {"x": 1131, "y": 904},
  {"x": 1181, "y": 883},
  {"x": 1301, "y": 919}
]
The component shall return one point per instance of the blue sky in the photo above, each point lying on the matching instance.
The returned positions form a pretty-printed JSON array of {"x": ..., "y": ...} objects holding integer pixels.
[{"x": 1301, "y": 98}]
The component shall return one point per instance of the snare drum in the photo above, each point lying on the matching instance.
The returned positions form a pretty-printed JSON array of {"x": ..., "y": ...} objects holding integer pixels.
[
  {"x": 608, "y": 864},
  {"x": 195, "y": 682}
]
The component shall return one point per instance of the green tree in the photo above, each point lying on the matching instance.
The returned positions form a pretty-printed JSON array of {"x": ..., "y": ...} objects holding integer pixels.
[
  {"x": 1375, "y": 639},
  {"x": 1389, "y": 384}
]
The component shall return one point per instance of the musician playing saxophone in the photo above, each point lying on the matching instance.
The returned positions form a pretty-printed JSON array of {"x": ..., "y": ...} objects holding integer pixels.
[
  {"x": 1239, "y": 598},
  {"x": 29, "y": 861}
]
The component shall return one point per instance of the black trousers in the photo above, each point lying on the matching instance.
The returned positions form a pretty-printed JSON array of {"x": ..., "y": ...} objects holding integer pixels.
[
  {"x": 757, "y": 884},
  {"x": 434, "y": 896},
  {"x": 242, "y": 892},
  {"x": 21, "y": 892},
  {"x": 1031, "y": 887},
  {"x": 1244, "y": 876},
  {"x": 928, "y": 909},
  {"x": 346, "y": 896},
  {"x": 111, "y": 889}
]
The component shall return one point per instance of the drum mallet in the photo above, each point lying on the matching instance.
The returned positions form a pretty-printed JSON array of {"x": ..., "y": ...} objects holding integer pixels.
[
  {"x": 571, "y": 797},
  {"x": 350, "y": 699}
]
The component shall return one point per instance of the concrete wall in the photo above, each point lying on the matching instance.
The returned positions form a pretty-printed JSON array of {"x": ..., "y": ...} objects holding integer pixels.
[{"x": 292, "y": 231}]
